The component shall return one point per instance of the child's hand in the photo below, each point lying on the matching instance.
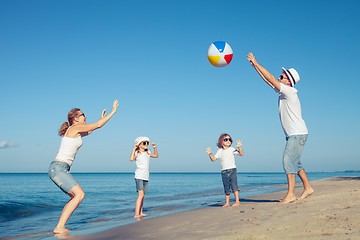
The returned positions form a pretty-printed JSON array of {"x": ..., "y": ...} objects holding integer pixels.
[
  {"x": 239, "y": 144},
  {"x": 208, "y": 150},
  {"x": 153, "y": 145}
]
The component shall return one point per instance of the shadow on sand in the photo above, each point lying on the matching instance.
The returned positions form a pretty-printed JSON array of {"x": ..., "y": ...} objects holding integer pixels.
[{"x": 246, "y": 200}]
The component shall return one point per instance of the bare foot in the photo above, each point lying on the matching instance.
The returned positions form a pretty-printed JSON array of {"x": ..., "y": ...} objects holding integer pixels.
[
  {"x": 143, "y": 214},
  {"x": 287, "y": 199},
  {"x": 137, "y": 216},
  {"x": 226, "y": 205},
  {"x": 236, "y": 204},
  {"x": 58, "y": 230},
  {"x": 306, "y": 193},
  {"x": 66, "y": 236}
]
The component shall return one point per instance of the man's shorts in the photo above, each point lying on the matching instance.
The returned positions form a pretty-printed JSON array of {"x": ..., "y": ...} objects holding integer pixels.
[{"x": 292, "y": 153}]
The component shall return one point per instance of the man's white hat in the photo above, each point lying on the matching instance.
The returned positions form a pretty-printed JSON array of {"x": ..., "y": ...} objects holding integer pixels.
[
  {"x": 142, "y": 139},
  {"x": 292, "y": 75}
]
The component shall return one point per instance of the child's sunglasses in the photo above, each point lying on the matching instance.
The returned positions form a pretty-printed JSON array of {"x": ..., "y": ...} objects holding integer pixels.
[
  {"x": 227, "y": 139},
  {"x": 145, "y": 143}
]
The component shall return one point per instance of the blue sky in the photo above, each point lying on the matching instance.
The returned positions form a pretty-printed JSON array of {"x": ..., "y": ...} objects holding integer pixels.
[{"x": 151, "y": 56}]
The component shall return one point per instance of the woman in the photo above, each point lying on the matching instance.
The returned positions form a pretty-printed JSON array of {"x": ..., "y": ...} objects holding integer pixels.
[{"x": 72, "y": 131}]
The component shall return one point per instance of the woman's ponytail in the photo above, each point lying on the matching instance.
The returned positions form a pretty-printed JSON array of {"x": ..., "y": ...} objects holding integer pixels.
[
  {"x": 64, "y": 127},
  {"x": 71, "y": 116}
]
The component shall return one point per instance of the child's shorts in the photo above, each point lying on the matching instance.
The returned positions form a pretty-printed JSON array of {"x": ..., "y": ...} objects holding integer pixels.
[
  {"x": 59, "y": 174},
  {"x": 229, "y": 178},
  {"x": 141, "y": 185}
]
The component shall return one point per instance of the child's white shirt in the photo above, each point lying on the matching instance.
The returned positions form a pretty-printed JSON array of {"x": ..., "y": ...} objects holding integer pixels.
[
  {"x": 227, "y": 158},
  {"x": 142, "y": 165}
]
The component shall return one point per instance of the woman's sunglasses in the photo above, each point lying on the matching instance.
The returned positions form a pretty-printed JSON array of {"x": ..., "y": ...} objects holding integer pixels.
[
  {"x": 227, "y": 139},
  {"x": 83, "y": 114},
  {"x": 145, "y": 143}
]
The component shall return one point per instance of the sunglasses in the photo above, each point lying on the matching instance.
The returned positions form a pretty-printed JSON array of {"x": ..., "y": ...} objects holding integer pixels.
[
  {"x": 282, "y": 77},
  {"x": 83, "y": 114},
  {"x": 145, "y": 143},
  {"x": 227, "y": 139}
]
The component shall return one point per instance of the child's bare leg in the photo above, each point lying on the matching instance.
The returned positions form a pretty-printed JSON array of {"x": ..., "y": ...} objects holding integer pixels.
[
  {"x": 308, "y": 190},
  {"x": 290, "y": 196},
  {"x": 138, "y": 205},
  {"x": 227, "y": 200},
  {"x": 142, "y": 206},
  {"x": 237, "y": 201}
]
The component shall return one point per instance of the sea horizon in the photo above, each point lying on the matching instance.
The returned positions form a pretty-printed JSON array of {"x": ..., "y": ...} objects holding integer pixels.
[{"x": 172, "y": 172}]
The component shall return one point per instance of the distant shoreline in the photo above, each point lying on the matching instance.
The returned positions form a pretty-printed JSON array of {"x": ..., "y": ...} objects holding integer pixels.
[{"x": 346, "y": 171}]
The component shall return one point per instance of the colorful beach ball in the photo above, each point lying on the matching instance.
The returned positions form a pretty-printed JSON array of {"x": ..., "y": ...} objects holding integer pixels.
[{"x": 220, "y": 54}]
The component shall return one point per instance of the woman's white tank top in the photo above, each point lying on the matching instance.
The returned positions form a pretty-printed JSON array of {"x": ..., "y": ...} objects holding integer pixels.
[{"x": 68, "y": 149}]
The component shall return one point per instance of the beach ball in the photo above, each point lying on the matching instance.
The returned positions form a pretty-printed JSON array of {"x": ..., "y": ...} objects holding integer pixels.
[{"x": 220, "y": 54}]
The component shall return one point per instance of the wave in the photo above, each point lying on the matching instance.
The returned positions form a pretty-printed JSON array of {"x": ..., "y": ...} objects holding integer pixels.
[{"x": 10, "y": 210}]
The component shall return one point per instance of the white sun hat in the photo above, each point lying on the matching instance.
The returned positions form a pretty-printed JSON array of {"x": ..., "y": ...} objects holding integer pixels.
[
  {"x": 142, "y": 139},
  {"x": 292, "y": 75}
]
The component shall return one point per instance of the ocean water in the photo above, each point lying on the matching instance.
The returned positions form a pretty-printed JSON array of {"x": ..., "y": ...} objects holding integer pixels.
[{"x": 30, "y": 203}]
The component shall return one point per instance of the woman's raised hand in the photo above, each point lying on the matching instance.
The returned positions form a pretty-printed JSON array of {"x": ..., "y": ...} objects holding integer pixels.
[
  {"x": 103, "y": 113},
  {"x": 115, "y": 105}
]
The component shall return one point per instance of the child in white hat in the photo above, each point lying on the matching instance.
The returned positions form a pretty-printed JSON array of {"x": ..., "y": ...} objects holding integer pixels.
[{"x": 141, "y": 154}]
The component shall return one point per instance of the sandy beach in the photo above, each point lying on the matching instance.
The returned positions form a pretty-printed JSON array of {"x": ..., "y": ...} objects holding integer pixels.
[{"x": 332, "y": 212}]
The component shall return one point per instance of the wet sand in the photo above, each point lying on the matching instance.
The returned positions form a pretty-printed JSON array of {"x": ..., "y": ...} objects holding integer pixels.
[{"x": 332, "y": 212}]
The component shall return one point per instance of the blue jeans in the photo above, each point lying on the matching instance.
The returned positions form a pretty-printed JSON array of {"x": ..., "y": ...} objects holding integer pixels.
[
  {"x": 141, "y": 185},
  {"x": 292, "y": 153},
  {"x": 229, "y": 178},
  {"x": 59, "y": 174}
]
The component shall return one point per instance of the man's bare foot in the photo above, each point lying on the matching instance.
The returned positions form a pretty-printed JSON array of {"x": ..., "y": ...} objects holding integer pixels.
[
  {"x": 58, "y": 230},
  {"x": 287, "y": 199},
  {"x": 226, "y": 205},
  {"x": 236, "y": 204},
  {"x": 137, "y": 216},
  {"x": 143, "y": 214},
  {"x": 306, "y": 193}
]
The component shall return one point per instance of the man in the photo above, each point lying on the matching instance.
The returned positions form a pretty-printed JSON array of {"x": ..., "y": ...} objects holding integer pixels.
[{"x": 293, "y": 125}]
